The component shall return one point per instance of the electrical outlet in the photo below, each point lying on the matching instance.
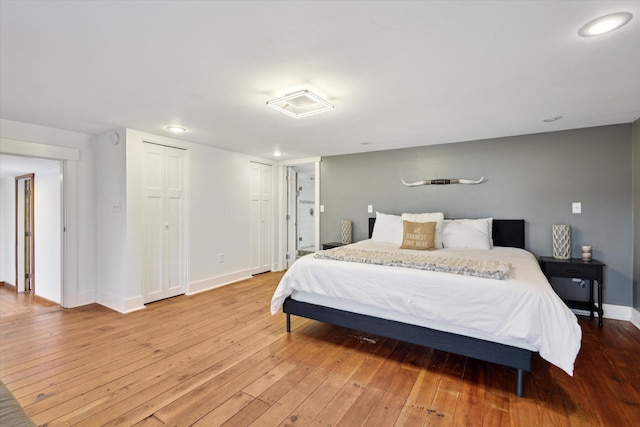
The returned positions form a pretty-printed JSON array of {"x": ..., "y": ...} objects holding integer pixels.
[
  {"x": 576, "y": 207},
  {"x": 369, "y": 208},
  {"x": 220, "y": 257},
  {"x": 321, "y": 208}
]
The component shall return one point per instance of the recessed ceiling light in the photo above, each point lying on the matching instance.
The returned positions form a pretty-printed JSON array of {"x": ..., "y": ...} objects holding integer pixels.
[
  {"x": 605, "y": 24},
  {"x": 300, "y": 104},
  {"x": 176, "y": 129},
  {"x": 553, "y": 119},
  {"x": 277, "y": 154}
]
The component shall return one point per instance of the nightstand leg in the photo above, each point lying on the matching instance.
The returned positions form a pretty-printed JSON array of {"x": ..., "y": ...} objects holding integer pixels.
[
  {"x": 600, "y": 309},
  {"x": 591, "y": 299}
]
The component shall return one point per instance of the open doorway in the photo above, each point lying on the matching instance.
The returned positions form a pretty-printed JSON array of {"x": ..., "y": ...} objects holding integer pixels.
[
  {"x": 31, "y": 226},
  {"x": 301, "y": 211},
  {"x": 25, "y": 236}
]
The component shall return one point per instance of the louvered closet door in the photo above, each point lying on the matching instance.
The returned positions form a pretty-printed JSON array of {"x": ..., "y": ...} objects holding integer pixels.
[{"x": 163, "y": 253}]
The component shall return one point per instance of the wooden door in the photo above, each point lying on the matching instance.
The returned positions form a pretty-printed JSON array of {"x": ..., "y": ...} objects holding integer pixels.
[{"x": 25, "y": 237}]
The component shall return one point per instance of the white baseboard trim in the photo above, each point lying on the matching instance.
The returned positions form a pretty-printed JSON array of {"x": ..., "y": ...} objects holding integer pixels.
[
  {"x": 218, "y": 281},
  {"x": 635, "y": 317},
  {"x": 79, "y": 300},
  {"x": 615, "y": 312},
  {"x": 121, "y": 305}
]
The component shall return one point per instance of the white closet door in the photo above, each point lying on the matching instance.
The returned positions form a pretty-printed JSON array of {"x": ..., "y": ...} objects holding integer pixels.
[
  {"x": 255, "y": 212},
  {"x": 163, "y": 263},
  {"x": 174, "y": 227},
  {"x": 265, "y": 214},
  {"x": 260, "y": 206}
]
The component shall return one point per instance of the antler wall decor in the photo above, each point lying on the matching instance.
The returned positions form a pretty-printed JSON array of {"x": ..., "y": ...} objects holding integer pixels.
[{"x": 443, "y": 182}]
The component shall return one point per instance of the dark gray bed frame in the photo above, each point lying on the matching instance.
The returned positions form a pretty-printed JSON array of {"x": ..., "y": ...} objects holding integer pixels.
[{"x": 505, "y": 233}]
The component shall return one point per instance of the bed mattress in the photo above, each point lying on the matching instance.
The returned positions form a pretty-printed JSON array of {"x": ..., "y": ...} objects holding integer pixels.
[{"x": 521, "y": 310}]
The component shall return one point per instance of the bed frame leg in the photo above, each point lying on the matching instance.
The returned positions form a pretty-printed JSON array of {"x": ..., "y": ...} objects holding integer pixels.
[
  {"x": 520, "y": 384},
  {"x": 288, "y": 322}
]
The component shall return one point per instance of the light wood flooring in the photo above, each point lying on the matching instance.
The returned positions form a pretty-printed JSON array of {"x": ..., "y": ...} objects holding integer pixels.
[
  {"x": 219, "y": 358},
  {"x": 14, "y": 303}
]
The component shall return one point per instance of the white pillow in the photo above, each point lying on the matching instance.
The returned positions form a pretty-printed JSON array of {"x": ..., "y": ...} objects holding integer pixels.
[
  {"x": 467, "y": 233},
  {"x": 437, "y": 217},
  {"x": 388, "y": 229}
]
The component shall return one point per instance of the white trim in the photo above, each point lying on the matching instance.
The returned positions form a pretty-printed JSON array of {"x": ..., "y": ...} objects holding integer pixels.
[
  {"x": 300, "y": 161},
  {"x": 32, "y": 149},
  {"x": 218, "y": 281},
  {"x": 119, "y": 304},
  {"x": 615, "y": 312},
  {"x": 635, "y": 317}
]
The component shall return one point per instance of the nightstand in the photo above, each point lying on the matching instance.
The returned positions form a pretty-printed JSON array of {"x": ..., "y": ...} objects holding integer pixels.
[
  {"x": 576, "y": 268},
  {"x": 331, "y": 245}
]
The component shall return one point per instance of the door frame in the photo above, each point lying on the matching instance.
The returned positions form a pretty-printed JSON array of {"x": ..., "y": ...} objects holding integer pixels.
[
  {"x": 69, "y": 158},
  {"x": 292, "y": 216},
  {"x": 283, "y": 206},
  {"x": 30, "y": 218}
]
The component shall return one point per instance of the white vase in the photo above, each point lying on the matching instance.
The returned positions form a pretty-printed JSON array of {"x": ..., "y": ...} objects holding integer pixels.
[
  {"x": 561, "y": 234},
  {"x": 347, "y": 231}
]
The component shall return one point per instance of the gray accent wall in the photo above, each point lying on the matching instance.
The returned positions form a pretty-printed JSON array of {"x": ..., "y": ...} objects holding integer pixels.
[{"x": 534, "y": 177}]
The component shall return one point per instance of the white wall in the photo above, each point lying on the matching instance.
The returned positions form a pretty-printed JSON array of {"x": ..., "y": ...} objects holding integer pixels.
[
  {"x": 218, "y": 204},
  {"x": 108, "y": 243},
  {"x": 48, "y": 238},
  {"x": 110, "y": 205}
]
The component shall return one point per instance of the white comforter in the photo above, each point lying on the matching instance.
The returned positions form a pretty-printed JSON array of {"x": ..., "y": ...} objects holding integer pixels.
[{"x": 523, "y": 308}]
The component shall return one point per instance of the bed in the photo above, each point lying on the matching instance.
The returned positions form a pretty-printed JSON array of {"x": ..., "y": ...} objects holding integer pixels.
[{"x": 499, "y": 321}]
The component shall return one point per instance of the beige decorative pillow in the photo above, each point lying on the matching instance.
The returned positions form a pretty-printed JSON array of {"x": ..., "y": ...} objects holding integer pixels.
[{"x": 418, "y": 235}]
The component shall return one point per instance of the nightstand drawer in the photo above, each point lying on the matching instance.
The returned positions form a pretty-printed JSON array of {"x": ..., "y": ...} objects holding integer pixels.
[{"x": 585, "y": 271}]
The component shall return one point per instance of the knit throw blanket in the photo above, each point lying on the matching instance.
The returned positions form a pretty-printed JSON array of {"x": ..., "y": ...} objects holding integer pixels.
[{"x": 488, "y": 269}]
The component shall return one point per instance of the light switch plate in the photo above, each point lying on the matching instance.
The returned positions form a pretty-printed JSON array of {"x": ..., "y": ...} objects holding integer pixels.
[
  {"x": 370, "y": 208},
  {"x": 576, "y": 207}
]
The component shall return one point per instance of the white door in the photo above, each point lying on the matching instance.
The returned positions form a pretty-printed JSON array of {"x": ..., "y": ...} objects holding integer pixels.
[
  {"x": 163, "y": 253},
  {"x": 260, "y": 227}
]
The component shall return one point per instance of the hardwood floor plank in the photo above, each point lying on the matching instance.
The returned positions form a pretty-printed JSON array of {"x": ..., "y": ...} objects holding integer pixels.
[
  {"x": 470, "y": 406},
  {"x": 247, "y": 415},
  {"x": 221, "y": 355},
  {"x": 445, "y": 400},
  {"x": 223, "y": 359},
  {"x": 496, "y": 403},
  {"x": 418, "y": 405},
  {"x": 346, "y": 362},
  {"x": 226, "y": 411},
  {"x": 355, "y": 385},
  {"x": 363, "y": 406},
  {"x": 392, "y": 401}
]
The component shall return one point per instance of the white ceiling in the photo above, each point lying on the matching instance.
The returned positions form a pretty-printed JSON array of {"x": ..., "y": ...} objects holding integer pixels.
[{"x": 399, "y": 73}]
